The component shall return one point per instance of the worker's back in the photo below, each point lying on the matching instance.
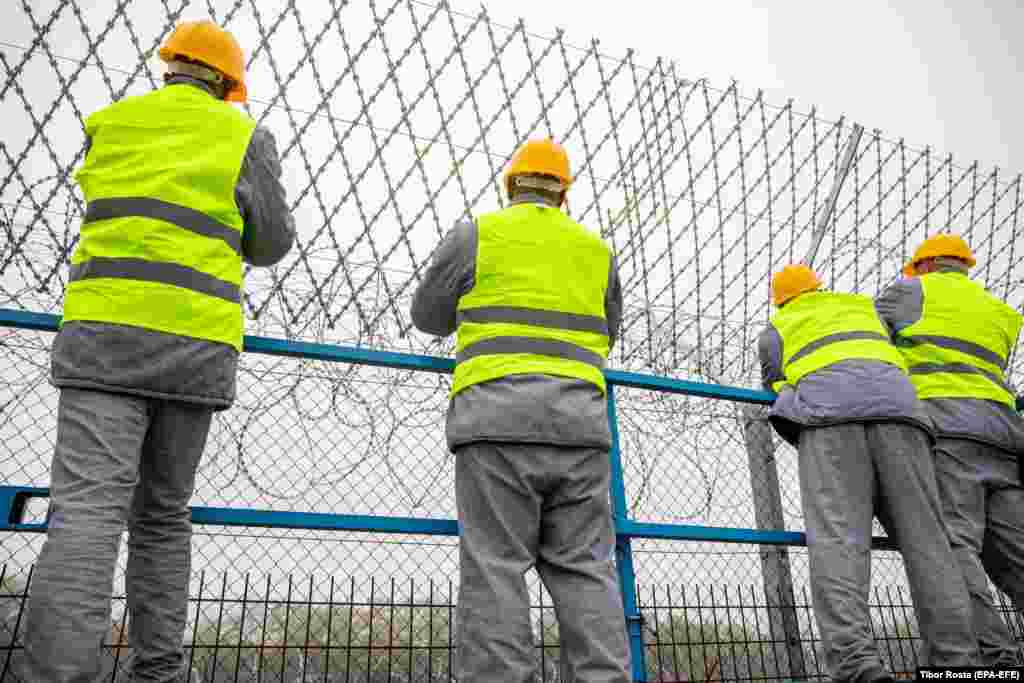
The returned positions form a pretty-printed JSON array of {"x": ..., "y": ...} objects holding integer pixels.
[
  {"x": 820, "y": 329},
  {"x": 959, "y": 346},
  {"x": 180, "y": 187},
  {"x": 537, "y": 304},
  {"x": 159, "y": 183},
  {"x": 829, "y": 357},
  {"x": 536, "y": 316}
]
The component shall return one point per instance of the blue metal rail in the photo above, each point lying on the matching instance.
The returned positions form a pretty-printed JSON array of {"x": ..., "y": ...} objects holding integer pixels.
[
  {"x": 47, "y": 322},
  {"x": 13, "y": 499},
  {"x": 14, "y": 502}
]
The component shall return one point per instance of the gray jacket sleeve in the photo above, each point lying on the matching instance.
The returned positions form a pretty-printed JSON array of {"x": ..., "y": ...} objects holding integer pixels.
[
  {"x": 269, "y": 226},
  {"x": 901, "y": 304},
  {"x": 449, "y": 277},
  {"x": 769, "y": 349},
  {"x": 613, "y": 304}
]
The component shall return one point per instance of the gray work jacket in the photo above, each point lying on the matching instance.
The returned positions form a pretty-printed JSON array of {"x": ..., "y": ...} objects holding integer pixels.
[
  {"x": 981, "y": 420},
  {"x": 132, "y": 360},
  {"x": 858, "y": 390},
  {"x": 527, "y": 408}
]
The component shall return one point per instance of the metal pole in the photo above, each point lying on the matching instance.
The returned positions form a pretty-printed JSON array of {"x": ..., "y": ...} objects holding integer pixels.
[
  {"x": 624, "y": 549},
  {"x": 775, "y": 568},
  {"x": 833, "y": 196}
]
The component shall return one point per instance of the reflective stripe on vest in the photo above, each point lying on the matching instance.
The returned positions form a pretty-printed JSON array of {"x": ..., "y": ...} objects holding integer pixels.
[
  {"x": 822, "y": 328},
  {"x": 950, "y": 359},
  {"x": 161, "y": 241},
  {"x": 558, "y": 320},
  {"x": 181, "y": 216},
  {"x": 537, "y": 305},
  {"x": 155, "y": 271}
]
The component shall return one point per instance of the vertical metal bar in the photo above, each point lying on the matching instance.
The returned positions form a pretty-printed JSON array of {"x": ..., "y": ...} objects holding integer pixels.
[
  {"x": 833, "y": 196},
  {"x": 369, "y": 640},
  {"x": 351, "y": 625},
  {"x": 17, "y": 620},
  {"x": 744, "y": 629},
  {"x": 896, "y": 635},
  {"x": 391, "y": 627},
  {"x": 199, "y": 615},
  {"x": 309, "y": 624},
  {"x": 412, "y": 625},
  {"x": 241, "y": 627},
  {"x": 624, "y": 548},
  {"x": 430, "y": 633},
  {"x": 688, "y": 635},
  {"x": 287, "y": 621},
  {"x": 330, "y": 631},
  {"x": 776, "y": 572},
  {"x": 880, "y": 606},
  {"x": 720, "y": 668},
  {"x": 543, "y": 652},
  {"x": 672, "y": 629},
  {"x": 658, "y": 643},
  {"x": 757, "y": 628},
  {"x": 451, "y": 620},
  {"x": 703, "y": 639},
  {"x": 908, "y": 617},
  {"x": 220, "y": 623},
  {"x": 809, "y": 612},
  {"x": 116, "y": 646},
  {"x": 263, "y": 630}
]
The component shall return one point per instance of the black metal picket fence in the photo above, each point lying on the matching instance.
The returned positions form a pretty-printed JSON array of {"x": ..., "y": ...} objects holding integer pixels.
[{"x": 267, "y": 630}]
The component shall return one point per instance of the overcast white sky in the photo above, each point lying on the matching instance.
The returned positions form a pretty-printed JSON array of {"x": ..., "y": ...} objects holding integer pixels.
[{"x": 938, "y": 72}]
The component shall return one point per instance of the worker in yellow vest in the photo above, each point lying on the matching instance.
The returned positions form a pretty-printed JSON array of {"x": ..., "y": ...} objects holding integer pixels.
[
  {"x": 534, "y": 298},
  {"x": 845, "y": 402},
  {"x": 180, "y": 189},
  {"x": 956, "y": 338}
]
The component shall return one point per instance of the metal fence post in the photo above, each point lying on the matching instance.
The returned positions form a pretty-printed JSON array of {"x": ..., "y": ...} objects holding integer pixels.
[
  {"x": 775, "y": 568},
  {"x": 833, "y": 196},
  {"x": 624, "y": 549}
]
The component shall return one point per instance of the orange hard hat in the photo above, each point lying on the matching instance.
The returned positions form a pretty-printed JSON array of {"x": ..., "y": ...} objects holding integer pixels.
[
  {"x": 542, "y": 157},
  {"x": 792, "y": 281},
  {"x": 206, "y": 42},
  {"x": 943, "y": 244}
]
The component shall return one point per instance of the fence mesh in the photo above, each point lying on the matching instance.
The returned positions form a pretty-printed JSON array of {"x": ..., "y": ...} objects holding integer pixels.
[
  {"x": 281, "y": 629},
  {"x": 395, "y": 119}
]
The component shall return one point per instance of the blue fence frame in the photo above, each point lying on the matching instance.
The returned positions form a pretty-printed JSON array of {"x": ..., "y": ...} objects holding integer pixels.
[{"x": 13, "y": 499}]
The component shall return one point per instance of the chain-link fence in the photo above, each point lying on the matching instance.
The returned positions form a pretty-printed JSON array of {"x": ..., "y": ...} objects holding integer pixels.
[{"x": 394, "y": 119}]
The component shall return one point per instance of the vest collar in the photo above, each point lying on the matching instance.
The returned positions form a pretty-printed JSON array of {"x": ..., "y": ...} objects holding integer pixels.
[
  {"x": 802, "y": 296},
  {"x": 179, "y": 79},
  {"x": 531, "y": 198}
]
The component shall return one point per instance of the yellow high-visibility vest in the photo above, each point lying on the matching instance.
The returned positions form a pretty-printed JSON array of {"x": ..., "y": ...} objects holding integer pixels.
[
  {"x": 822, "y": 328},
  {"x": 538, "y": 300},
  {"x": 161, "y": 242},
  {"x": 960, "y": 346}
]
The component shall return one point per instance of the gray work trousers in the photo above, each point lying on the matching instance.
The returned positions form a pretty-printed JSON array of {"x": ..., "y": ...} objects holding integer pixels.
[
  {"x": 522, "y": 506},
  {"x": 983, "y": 504},
  {"x": 118, "y": 459},
  {"x": 850, "y": 473}
]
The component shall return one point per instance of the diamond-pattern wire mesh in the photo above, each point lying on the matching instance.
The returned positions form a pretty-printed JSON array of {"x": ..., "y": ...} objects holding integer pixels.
[{"x": 394, "y": 119}]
